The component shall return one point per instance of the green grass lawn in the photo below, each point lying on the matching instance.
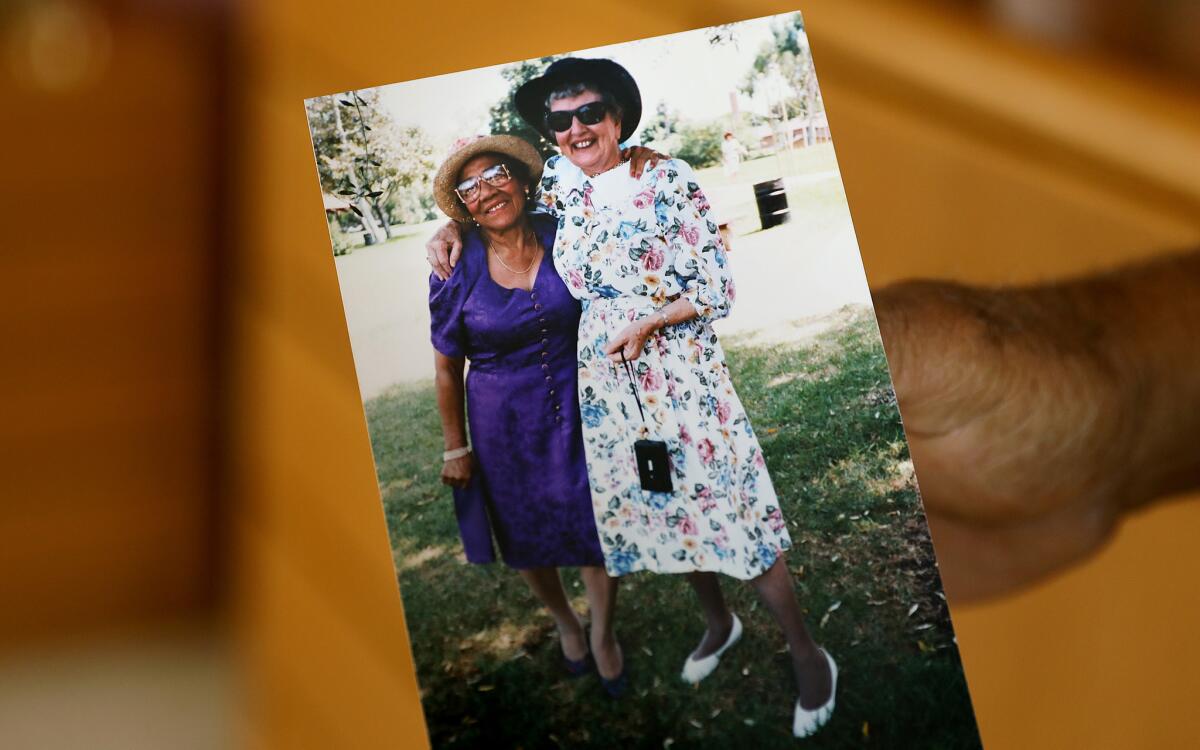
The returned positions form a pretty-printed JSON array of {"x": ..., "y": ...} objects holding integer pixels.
[
  {"x": 799, "y": 161},
  {"x": 488, "y": 659},
  {"x": 821, "y": 197}
]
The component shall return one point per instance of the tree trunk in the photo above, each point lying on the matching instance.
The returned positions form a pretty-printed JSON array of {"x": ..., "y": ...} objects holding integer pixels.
[
  {"x": 369, "y": 224},
  {"x": 382, "y": 217},
  {"x": 810, "y": 101}
]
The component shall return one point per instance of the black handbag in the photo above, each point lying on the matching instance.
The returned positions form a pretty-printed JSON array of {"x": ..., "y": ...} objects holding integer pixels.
[{"x": 653, "y": 461}]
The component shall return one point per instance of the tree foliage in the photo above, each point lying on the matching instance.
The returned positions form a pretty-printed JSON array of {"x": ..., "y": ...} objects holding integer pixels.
[
  {"x": 787, "y": 56},
  {"x": 700, "y": 144},
  {"x": 661, "y": 132},
  {"x": 503, "y": 116},
  {"x": 382, "y": 170},
  {"x": 725, "y": 33}
]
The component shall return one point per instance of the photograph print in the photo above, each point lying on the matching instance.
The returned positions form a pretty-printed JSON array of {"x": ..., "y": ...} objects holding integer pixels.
[{"x": 644, "y": 475}]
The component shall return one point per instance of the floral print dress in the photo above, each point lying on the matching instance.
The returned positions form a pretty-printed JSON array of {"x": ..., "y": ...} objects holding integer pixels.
[{"x": 625, "y": 262}]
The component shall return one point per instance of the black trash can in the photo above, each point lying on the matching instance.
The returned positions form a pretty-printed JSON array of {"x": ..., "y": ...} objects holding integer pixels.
[{"x": 771, "y": 198}]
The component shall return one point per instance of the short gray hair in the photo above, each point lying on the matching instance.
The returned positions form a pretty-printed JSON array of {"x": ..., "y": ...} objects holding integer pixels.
[{"x": 575, "y": 88}]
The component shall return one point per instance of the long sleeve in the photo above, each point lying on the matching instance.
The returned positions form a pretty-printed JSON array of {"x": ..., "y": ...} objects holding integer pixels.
[{"x": 700, "y": 259}]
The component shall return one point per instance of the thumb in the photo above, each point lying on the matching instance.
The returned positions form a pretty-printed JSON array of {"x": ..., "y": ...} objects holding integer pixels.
[{"x": 940, "y": 352}]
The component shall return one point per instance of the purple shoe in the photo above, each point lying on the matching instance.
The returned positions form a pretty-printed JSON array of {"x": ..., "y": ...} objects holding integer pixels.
[
  {"x": 617, "y": 686},
  {"x": 578, "y": 667}
]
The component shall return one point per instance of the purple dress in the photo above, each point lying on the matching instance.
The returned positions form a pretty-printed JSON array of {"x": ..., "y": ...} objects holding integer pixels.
[{"x": 530, "y": 488}]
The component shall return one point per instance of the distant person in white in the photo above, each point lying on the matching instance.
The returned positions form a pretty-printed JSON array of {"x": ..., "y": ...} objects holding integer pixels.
[{"x": 732, "y": 152}]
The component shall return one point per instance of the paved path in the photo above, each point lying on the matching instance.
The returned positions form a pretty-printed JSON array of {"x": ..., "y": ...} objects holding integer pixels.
[{"x": 805, "y": 268}]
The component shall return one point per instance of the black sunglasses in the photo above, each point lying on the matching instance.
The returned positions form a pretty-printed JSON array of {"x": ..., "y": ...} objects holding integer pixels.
[{"x": 589, "y": 114}]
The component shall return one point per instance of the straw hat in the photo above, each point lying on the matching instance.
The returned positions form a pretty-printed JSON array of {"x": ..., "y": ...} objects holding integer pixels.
[{"x": 466, "y": 149}]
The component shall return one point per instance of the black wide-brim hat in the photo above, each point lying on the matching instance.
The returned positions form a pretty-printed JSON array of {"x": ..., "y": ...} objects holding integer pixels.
[{"x": 607, "y": 75}]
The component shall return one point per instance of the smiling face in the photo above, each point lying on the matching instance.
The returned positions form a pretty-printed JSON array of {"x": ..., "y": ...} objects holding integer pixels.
[
  {"x": 592, "y": 148},
  {"x": 496, "y": 207}
]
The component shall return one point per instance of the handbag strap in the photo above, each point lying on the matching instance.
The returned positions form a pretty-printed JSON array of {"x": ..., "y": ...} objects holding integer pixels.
[{"x": 633, "y": 384}]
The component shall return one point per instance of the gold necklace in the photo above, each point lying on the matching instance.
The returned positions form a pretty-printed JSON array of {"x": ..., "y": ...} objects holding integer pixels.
[
  {"x": 602, "y": 171},
  {"x": 510, "y": 268}
]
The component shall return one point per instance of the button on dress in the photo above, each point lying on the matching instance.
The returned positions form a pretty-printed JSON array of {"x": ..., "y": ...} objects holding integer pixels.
[{"x": 530, "y": 489}]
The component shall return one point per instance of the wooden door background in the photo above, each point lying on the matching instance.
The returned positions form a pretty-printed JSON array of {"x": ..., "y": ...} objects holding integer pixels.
[{"x": 183, "y": 435}]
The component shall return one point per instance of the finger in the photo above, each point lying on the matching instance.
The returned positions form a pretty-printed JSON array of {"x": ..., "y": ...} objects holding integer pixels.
[
  {"x": 435, "y": 253},
  {"x": 441, "y": 260},
  {"x": 455, "y": 251},
  {"x": 437, "y": 270}
]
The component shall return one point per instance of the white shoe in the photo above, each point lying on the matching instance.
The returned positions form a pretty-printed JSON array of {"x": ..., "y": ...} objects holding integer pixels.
[
  {"x": 695, "y": 670},
  {"x": 805, "y": 722}
]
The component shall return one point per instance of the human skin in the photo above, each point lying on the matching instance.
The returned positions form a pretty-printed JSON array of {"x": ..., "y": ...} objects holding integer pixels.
[
  {"x": 592, "y": 148},
  {"x": 500, "y": 213},
  {"x": 1039, "y": 417},
  {"x": 499, "y": 210},
  {"x": 445, "y": 246}
]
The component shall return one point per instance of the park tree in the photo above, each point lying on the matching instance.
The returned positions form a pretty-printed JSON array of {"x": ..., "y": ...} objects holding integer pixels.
[
  {"x": 345, "y": 164},
  {"x": 380, "y": 169},
  {"x": 503, "y": 116},
  {"x": 700, "y": 144},
  {"x": 662, "y": 130},
  {"x": 787, "y": 57},
  {"x": 725, "y": 33},
  {"x": 408, "y": 166}
]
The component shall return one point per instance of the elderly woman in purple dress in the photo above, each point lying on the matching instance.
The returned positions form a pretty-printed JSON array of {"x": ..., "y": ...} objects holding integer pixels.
[{"x": 522, "y": 477}]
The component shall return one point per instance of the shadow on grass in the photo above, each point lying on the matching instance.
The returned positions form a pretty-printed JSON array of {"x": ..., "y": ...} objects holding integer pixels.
[{"x": 489, "y": 663}]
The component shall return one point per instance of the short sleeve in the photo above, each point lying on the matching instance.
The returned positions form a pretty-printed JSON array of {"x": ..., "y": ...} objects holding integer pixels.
[
  {"x": 447, "y": 331},
  {"x": 700, "y": 259}
]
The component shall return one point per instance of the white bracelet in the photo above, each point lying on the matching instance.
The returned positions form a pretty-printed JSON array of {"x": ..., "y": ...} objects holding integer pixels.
[
  {"x": 456, "y": 453},
  {"x": 666, "y": 321}
]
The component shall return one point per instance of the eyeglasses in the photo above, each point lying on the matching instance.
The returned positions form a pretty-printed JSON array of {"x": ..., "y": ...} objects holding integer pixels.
[
  {"x": 468, "y": 189},
  {"x": 589, "y": 114}
]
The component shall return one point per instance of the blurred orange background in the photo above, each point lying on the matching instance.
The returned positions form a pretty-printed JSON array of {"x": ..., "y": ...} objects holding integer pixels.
[{"x": 193, "y": 545}]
